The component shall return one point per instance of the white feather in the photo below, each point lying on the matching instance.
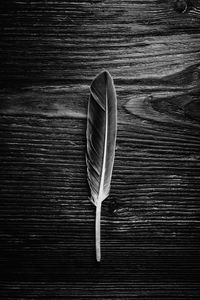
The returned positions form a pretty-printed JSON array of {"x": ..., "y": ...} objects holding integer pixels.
[{"x": 101, "y": 141}]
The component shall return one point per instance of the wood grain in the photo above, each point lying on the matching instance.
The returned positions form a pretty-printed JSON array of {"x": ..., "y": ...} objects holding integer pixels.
[{"x": 51, "y": 50}]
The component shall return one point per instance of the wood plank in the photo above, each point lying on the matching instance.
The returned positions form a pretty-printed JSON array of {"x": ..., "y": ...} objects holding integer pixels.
[{"x": 51, "y": 50}]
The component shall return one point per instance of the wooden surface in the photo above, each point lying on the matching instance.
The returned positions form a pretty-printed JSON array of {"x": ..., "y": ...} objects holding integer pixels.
[{"x": 50, "y": 52}]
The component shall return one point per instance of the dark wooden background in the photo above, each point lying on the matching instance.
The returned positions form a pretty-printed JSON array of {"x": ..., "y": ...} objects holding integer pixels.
[{"x": 50, "y": 52}]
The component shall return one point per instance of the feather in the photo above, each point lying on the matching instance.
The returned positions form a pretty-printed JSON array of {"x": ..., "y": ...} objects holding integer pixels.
[{"x": 101, "y": 140}]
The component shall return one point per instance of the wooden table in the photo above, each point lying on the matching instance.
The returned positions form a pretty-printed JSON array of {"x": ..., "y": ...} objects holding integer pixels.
[{"x": 51, "y": 51}]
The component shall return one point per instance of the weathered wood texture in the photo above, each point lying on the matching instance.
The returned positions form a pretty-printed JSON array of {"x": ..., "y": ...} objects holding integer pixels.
[{"x": 50, "y": 52}]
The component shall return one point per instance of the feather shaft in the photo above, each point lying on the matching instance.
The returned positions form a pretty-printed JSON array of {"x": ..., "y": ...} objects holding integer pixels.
[{"x": 98, "y": 232}]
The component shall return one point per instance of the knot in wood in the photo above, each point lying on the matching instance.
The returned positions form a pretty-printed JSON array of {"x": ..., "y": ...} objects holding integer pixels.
[{"x": 181, "y": 6}]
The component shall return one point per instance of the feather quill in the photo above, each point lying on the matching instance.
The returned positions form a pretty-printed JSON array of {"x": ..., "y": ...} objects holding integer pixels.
[{"x": 101, "y": 141}]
